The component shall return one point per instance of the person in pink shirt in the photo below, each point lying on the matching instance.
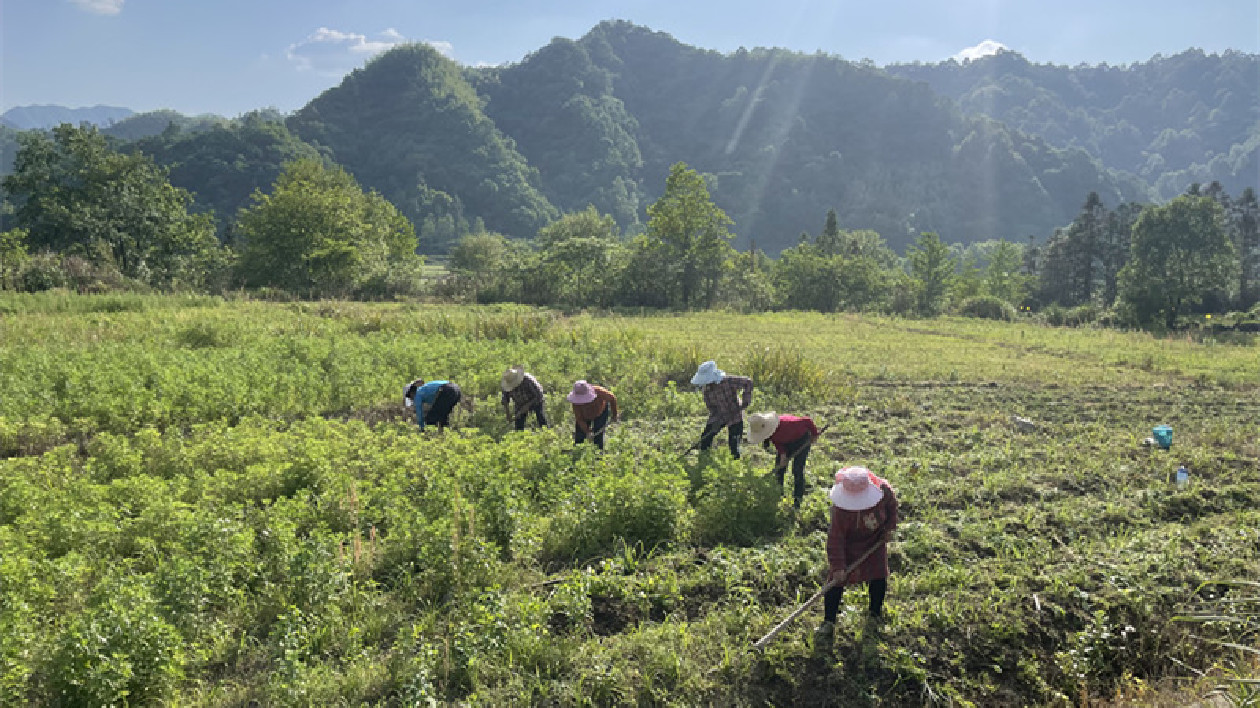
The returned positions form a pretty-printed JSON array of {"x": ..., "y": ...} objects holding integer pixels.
[{"x": 792, "y": 437}]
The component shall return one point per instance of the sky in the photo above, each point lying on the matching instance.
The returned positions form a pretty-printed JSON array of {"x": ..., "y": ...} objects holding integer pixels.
[{"x": 231, "y": 56}]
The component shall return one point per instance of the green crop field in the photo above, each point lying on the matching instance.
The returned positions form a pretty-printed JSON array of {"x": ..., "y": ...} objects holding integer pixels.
[{"x": 211, "y": 503}]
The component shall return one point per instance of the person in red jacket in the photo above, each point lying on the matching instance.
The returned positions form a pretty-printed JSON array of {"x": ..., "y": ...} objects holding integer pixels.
[
  {"x": 863, "y": 516},
  {"x": 792, "y": 437}
]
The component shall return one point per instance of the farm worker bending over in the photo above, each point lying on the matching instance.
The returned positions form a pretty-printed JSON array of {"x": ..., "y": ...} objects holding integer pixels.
[
  {"x": 726, "y": 397},
  {"x": 433, "y": 401},
  {"x": 792, "y": 438},
  {"x": 525, "y": 391},
  {"x": 863, "y": 516},
  {"x": 592, "y": 406}
]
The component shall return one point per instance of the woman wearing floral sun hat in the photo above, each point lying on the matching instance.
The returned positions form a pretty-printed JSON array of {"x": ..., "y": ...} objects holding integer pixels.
[
  {"x": 592, "y": 406},
  {"x": 863, "y": 516}
]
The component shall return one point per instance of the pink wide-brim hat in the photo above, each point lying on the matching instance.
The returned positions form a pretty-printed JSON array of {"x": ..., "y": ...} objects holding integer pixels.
[
  {"x": 582, "y": 393},
  {"x": 857, "y": 489}
]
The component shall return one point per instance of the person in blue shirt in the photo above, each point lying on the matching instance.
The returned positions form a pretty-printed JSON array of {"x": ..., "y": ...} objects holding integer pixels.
[{"x": 433, "y": 401}]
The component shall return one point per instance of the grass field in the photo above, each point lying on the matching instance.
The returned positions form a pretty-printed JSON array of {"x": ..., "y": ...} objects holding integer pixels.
[{"x": 206, "y": 502}]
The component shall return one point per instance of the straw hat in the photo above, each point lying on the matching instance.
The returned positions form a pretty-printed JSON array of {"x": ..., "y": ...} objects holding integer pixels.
[
  {"x": 707, "y": 373},
  {"x": 512, "y": 378},
  {"x": 762, "y": 426},
  {"x": 856, "y": 489},
  {"x": 582, "y": 393}
]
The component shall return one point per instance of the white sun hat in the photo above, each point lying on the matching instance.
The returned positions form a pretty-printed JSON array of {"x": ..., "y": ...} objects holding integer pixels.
[
  {"x": 855, "y": 489},
  {"x": 762, "y": 426},
  {"x": 707, "y": 373},
  {"x": 512, "y": 378}
]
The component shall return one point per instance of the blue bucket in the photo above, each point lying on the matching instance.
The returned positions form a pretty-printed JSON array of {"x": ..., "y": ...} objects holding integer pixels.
[{"x": 1163, "y": 436}]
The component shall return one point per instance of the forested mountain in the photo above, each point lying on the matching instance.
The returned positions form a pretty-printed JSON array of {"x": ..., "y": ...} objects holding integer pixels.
[
  {"x": 787, "y": 136},
  {"x": 1173, "y": 120},
  {"x": 143, "y": 125},
  {"x": 561, "y": 109},
  {"x": 781, "y": 137},
  {"x": 993, "y": 148},
  {"x": 224, "y": 163},
  {"x": 410, "y": 126},
  {"x": 44, "y": 117}
]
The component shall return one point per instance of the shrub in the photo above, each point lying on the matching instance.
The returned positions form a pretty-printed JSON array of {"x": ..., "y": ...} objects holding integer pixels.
[
  {"x": 1087, "y": 313},
  {"x": 737, "y": 505},
  {"x": 1058, "y": 316},
  {"x": 785, "y": 370},
  {"x": 118, "y": 651},
  {"x": 987, "y": 307},
  {"x": 610, "y": 507},
  {"x": 43, "y": 272}
]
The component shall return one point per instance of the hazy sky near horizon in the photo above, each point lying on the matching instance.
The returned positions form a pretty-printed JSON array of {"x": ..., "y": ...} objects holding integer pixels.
[{"x": 232, "y": 56}]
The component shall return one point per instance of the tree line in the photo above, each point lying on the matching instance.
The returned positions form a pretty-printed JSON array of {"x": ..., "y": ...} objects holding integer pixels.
[{"x": 89, "y": 217}]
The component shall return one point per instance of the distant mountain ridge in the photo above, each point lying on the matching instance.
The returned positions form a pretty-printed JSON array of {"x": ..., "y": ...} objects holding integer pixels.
[
  {"x": 1190, "y": 117},
  {"x": 781, "y": 137},
  {"x": 48, "y": 116},
  {"x": 996, "y": 147}
]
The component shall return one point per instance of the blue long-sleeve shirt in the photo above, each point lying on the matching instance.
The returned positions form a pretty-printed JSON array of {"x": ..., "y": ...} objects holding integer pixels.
[{"x": 426, "y": 394}]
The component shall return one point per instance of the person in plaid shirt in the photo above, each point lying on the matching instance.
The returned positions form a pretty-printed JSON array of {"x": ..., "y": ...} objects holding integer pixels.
[
  {"x": 525, "y": 391},
  {"x": 726, "y": 397}
]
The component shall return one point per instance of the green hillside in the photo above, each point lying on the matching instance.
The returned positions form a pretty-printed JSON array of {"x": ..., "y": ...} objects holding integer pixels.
[
  {"x": 411, "y": 127},
  {"x": 1190, "y": 117}
]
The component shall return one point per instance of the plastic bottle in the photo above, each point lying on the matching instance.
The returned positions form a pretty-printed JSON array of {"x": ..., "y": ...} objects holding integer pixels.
[{"x": 1183, "y": 476}]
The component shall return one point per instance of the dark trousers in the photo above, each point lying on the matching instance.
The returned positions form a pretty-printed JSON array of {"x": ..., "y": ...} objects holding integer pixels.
[
  {"x": 876, "y": 587},
  {"x": 444, "y": 402},
  {"x": 734, "y": 432},
  {"x": 800, "y": 448},
  {"x": 538, "y": 410},
  {"x": 597, "y": 426}
]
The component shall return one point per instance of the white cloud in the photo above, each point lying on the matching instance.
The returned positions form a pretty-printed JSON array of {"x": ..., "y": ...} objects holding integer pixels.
[
  {"x": 446, "y": 49},
  {"x": 986, "y": 48},
  {"x": 332, "y": 52},
  {"x": 101, "y": 7}
]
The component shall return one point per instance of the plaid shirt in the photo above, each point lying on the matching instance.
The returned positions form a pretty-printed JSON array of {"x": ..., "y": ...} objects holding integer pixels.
[
  {"x": 525, "y": 396},
  {"x": 727, "y": 399}
]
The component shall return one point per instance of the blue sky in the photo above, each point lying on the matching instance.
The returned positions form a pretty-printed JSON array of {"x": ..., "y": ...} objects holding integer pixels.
[{"x": 231, "y": 56}]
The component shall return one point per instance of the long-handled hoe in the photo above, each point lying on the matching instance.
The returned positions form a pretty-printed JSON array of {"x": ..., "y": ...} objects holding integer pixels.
[
  {"x": 591, "y": 436},
  {"x": 760, "y": 643}
]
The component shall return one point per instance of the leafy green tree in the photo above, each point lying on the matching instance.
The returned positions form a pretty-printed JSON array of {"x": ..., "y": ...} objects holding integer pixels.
[
  {"x": 480, "y": 254},
  {"x": 1114, "y": 250},
  {"x": 581, "y": 257},
  {"x": 1052, "y": 271},
  {"x": 1085, "y": 238},
  {"x": 75, "y": 194},
  {"x": 969, "y": 279},
  {"x": 1181, "y": 252},
  {"x": 13, "y": 257},
  {"x": 1002, "y": 277},
  {"x": 829, "y": 241},
  {"x": 932, "y": 268},
  {"x": 808, "y": 280},
  {"x": 318, "y": 233},
  {"x": 223, "y": 165},
  {"x": 692, "y": 232},
  {"x": 1247, "y": 241}
]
